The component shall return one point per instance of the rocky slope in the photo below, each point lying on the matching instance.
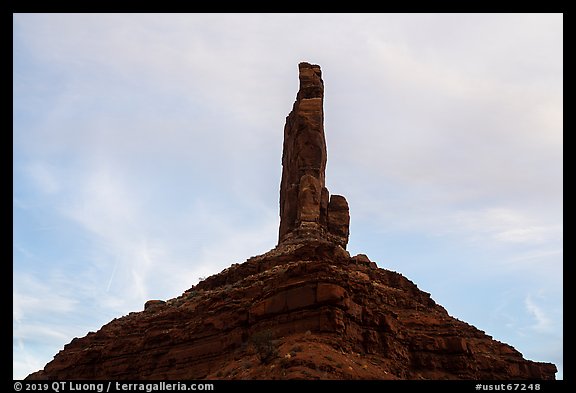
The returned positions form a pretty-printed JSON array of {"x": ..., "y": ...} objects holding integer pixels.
[
  {"x": 299, "y": 311},
  {"x": 304, "y": 310}
]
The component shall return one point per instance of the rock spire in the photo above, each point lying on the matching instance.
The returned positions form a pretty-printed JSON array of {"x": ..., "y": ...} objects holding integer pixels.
[
  {"x": 306, "y": 209},
  {"x": 303, "y": 310}
]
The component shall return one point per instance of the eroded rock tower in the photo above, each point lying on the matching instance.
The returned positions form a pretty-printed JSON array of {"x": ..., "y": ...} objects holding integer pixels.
[
  {"x": 306, "y": 309},
  {"x": 306, "y": 208}
]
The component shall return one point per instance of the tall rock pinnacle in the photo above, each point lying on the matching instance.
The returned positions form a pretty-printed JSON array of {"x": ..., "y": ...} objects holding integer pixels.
[
  {"x": 306, "y": 209},
  {"x": 302, "y": 310}
]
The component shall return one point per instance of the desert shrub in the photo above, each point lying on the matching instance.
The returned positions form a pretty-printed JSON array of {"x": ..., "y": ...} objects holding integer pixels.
[{"x": 265, "y": 346}]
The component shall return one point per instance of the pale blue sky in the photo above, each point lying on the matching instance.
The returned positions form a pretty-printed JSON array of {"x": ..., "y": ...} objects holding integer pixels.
[{"x": 147, "y": 154}]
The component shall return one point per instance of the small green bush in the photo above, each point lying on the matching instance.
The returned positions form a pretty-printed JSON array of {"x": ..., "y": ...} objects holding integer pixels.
[{"x": 265, "y": 346}]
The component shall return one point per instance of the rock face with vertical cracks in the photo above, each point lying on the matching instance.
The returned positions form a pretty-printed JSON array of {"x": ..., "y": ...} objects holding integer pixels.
[
  {"x": 306, "y": 209},
  {"x": 304, "y": 310}
]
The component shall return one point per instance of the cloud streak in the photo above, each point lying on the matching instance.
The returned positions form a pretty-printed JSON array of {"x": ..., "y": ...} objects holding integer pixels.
[{"x": 543, "y": 322}]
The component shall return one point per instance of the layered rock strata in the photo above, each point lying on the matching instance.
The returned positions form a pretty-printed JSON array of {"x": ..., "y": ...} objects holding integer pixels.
[{"x": 300, "y": 311}]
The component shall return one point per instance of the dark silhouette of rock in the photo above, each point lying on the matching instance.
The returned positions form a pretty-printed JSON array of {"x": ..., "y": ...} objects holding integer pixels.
[
  {"x": 305, "y": 210},
  {"x": 305, "y": 309}
]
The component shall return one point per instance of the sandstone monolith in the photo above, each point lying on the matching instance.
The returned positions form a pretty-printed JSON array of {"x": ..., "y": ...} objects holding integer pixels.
[{"x": 306, "y": 209}]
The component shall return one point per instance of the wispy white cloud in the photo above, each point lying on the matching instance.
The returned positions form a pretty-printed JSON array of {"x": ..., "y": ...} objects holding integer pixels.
[
  {"x": 135, "y": 254},
  {"x": 38, "y": 305},
  {"x": 104, "y": 206},
  {"x": 23, "y": 250},
  {"x": 507, "y": 225},
  {"x": 32, "y": 296},
  {"x": 543, "y": 323},
  {"x": 537, "y": 255},
  {"x": 43, "y": 177}
]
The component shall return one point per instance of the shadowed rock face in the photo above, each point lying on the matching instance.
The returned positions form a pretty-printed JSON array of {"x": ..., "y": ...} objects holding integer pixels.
[
  {"x": 306, "y": 210},
  {"x": 304, "y": 310}
]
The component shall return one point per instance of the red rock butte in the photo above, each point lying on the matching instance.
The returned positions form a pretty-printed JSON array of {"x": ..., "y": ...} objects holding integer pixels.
[{"x": 304, "y": 310}]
